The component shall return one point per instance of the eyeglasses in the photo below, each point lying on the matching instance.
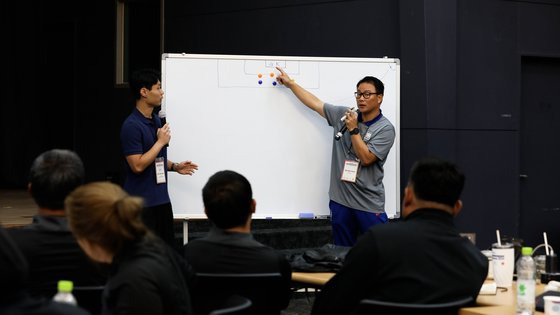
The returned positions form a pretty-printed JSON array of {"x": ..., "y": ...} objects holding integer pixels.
[{"x": 366, "y": 95}]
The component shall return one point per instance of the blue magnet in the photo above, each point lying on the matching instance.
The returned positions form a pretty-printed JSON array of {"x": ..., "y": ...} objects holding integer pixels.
[{"x": 306, "y": 215}]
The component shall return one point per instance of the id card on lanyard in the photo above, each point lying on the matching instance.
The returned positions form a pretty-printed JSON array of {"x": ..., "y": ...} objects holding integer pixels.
[
  {"x": 351, "y": 167},
  {"x": 160, "y": 170},
  {"x": 350, "y": 171}
]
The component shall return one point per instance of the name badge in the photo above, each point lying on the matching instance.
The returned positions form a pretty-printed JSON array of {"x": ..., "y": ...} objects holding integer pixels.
[
  {"x": 160, "y": 170},
  {"x": 350, "y": 171}
]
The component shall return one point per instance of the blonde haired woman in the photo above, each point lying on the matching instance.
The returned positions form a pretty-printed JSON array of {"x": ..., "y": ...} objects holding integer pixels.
[{"x": 147, "y": 276}]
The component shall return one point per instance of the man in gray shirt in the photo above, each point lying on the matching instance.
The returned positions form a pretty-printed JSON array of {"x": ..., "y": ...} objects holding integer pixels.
[{"x": 357, "y": 195}]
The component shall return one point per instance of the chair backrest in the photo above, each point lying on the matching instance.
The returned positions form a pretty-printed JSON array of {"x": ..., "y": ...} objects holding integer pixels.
[
  {"x": 89, "y": 298},
  {"x": 369, "y": 306},
  {"x": 268, "y": 292},
  {"x": 234, "y": 305}
]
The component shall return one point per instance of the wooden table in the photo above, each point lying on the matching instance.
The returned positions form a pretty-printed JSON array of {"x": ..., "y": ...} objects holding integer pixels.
[
  {"x": 503, "y": 303},
  {"x": 315, "y": 279}
]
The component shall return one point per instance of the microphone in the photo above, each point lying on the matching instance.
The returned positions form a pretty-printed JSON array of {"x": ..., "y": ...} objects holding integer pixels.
[
  {"x": 161, "y": 115},
  {"x": 343, "y": 128}
]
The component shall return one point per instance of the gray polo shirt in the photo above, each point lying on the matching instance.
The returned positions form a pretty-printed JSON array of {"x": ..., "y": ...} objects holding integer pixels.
[{"x": 367, "y": 193}]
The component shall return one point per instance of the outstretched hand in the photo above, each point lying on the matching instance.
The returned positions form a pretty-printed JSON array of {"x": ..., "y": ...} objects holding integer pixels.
[
  {"x": 284, "y": 78},
  {"x": 186, "y": 168}
]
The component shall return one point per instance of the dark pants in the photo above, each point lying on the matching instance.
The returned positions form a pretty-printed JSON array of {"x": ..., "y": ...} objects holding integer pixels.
[
  {"x": 159, "y": 219},
  {"x": 349, "y": 224}
]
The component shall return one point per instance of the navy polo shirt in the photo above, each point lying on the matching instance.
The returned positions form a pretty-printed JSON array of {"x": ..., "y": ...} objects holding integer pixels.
[{"x": 138, "y": 135}]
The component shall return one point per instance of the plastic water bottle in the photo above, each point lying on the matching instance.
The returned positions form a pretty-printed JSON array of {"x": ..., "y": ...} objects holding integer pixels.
[
  {"x": 64, "y": 294},
  {"x": 526, "y": 271}
]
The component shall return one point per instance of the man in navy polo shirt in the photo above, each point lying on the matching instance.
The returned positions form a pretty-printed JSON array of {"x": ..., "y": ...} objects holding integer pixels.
[{"x": 144, "y": 142}]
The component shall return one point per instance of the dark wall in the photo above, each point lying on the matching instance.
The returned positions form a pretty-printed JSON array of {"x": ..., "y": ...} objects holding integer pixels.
[
  {"x": 487, "y": 113},
  {"x": 59, "y": 82},
  {"x": 278, "y": 27},
  {"x": 461, "y": 76},
  {"x": 493, "y": 38},
  {"x": 38, "y": 83}
]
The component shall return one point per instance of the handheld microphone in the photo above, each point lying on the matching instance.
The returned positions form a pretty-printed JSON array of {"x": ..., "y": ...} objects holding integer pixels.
[
  {"x": 343, "y": 128},
  {"x": 161, "y": 115}
]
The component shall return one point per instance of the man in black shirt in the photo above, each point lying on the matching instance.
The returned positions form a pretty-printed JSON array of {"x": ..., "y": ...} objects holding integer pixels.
[
  {"x": 422, "y": 259},
  {"x": 14, "y": 297},
  {"x": 230, "y": 247},
  {"x": 47, "y": 243}
]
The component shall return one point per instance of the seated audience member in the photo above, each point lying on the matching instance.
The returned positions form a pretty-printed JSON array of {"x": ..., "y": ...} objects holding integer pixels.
[
  {"x": 47, "y": 243},
  {"x": 146, "y": 274},
  {"x": 14, "y": 297},
  {"x": 421, "y": 259},
  {"x": 230, "y": 247}
]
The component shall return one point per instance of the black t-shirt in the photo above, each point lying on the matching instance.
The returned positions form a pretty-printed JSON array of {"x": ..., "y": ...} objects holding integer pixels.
[
  {"x": 422, "y": 259},
  {"x": 53, "y": 254},
  {"x": 148, "y": 277}
]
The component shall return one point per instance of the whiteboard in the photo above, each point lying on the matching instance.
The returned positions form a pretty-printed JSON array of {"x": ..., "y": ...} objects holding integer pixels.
[{"x": 228, "y": 112}]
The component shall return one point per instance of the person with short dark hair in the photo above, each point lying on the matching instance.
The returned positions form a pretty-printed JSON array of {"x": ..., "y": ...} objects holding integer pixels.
[
  {"x": 356, "y": 192},
  {"x": 53, "y": 175},
  {"x": 421, "y": 259},
  {"x": 47, "y": 243},
  {"x": 14, "y": 296},
  {"x": 228, "y": 200},
  {"x": 230, "y": 247},
  {"x": 147, "y": 276},
  {"x": 144, "y": 141}
]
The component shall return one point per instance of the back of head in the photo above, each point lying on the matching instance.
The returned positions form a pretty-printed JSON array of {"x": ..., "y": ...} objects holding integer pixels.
[
  {"x": 379, "y": 86},
  {"x": 436, "y": 180},
  {"x": 53, "y": 175},
  {"x": 104, "y": 214},
  {"x": 227, "y": 199},
  {"x": 13, "y": 266},
  {"x": 143, "y": 78}
]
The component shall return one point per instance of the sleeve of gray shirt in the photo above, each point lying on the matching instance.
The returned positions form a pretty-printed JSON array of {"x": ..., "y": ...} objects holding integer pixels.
[
  {"x": 382, "y": 139},
  {"x": 382, "y": 132},
  {"x": 333, "y": 113}
]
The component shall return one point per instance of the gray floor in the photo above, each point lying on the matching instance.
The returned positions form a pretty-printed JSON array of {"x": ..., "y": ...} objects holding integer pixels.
[{"x": 300, "y": 304}]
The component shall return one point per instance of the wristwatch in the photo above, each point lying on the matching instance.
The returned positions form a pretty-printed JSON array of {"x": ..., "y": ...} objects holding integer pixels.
[{"x": 355, "y": 131}]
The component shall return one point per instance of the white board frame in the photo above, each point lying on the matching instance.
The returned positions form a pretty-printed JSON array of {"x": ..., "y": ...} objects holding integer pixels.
[{"x": 193, "y": 92}]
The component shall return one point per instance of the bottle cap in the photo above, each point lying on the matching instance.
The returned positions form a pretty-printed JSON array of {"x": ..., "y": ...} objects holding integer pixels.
[
  {"x": 526, "y": 251},
  {"x": 65, "y": 286}
]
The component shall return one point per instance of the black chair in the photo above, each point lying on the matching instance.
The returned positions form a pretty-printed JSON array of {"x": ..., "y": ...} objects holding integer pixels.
[
  {"x": 234, "y": 305},
  {"x": 369, "y": 307},
  {"x": 89, "y": 298},
  {"x": 269, "y": 292}
]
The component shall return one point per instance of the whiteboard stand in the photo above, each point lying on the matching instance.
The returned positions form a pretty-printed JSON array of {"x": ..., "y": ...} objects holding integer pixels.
[
  {"x": 185, "y": 231},
  {"x": 185, "y": 220}
]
